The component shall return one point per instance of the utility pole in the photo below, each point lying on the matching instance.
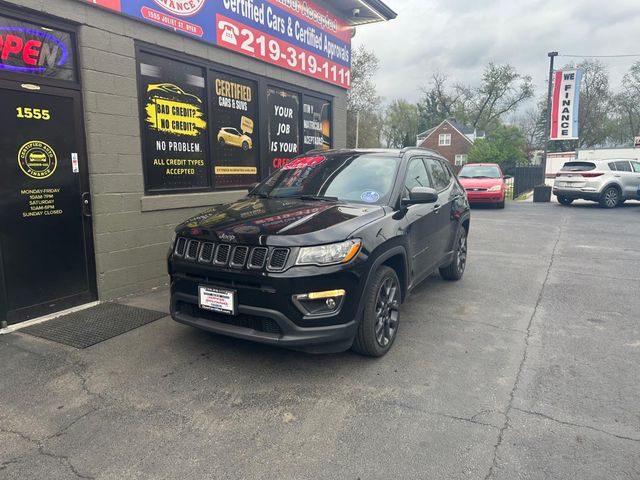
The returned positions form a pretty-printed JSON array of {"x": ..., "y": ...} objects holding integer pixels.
[{"x": 547, "y": 127}]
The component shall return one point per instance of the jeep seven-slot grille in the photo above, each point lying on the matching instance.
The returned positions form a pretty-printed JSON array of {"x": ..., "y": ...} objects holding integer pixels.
[
  {"x": 278, "y": 258},
  {"x": 258, "y": 258},
  {"x": 233, "y": 256},
  {"x": 239, "y": 257}
]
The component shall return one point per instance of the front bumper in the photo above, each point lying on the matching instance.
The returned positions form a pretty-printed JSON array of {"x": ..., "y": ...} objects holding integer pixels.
[
  {"x": 485, "y": 197},
  {"x": 266, "y": 312},
  {"x": 284, "y": 332}
]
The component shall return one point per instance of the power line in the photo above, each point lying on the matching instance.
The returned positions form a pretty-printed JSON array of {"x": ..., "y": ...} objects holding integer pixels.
[{"x": 602, "y": 56}]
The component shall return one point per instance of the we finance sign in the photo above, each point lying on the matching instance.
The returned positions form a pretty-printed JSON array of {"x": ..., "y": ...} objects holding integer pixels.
[
  {"x": 566, "y": 105},
  {"x": 301, "y": 36}
]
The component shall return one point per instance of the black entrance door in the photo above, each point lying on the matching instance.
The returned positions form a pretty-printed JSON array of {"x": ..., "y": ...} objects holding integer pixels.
[{"x": 46, "y": 246}]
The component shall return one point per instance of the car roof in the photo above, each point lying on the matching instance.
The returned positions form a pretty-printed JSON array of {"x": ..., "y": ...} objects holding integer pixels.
[
  {"x": 481, "y": 165},
  {"x": 383, "y": 151}
]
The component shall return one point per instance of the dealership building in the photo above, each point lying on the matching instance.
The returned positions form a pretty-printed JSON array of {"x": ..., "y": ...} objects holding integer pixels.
[{"x": 122, "y": 118}]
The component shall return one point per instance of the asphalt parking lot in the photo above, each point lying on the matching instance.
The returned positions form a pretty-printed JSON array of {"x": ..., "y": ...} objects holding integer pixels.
[{"x": 527, "y": 368}]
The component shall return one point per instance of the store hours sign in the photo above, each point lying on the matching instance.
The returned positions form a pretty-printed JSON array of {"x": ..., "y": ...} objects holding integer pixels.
[{"x": 297, "y": 35}]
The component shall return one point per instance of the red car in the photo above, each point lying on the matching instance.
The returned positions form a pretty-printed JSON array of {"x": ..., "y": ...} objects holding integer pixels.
[{"x": 484, "y": 183}]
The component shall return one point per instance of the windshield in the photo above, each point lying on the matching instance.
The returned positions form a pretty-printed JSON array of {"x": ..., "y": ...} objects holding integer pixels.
[
  {"x": 478, "y": 171},
  {"x": 354, "y": 178}
]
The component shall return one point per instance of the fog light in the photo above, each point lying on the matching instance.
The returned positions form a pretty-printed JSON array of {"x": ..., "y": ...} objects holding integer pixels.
[{"x": 327, "y": 302}]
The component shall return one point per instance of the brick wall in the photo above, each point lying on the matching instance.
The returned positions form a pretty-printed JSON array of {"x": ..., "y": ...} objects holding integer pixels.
[
  {"x": 131, "y": 231},
  {"x": 460, "y": 145}
]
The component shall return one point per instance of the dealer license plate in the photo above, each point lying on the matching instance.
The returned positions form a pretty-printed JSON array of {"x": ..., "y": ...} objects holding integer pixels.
[{"x": 218, "y": 300}]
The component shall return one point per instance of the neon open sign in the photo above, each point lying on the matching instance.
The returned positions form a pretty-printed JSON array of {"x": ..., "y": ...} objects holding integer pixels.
[{"x": 28, "y": 50}]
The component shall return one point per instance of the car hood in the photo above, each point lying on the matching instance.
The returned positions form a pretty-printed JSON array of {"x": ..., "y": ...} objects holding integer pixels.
[
  {"x": 480, "y": 182},
  {"x": 279, "y": 221}
]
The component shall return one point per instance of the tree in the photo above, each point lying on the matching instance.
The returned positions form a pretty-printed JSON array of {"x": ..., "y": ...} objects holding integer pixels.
[
  {"x": 501, "y": 91},
  {"x": 436, "y": 104},
  {"x": 505, "y": 145},
  {"x": 363, "y": 102},
  {"x": 595, "y": 103},
  {"x": 528, "y": 121},
  {"x": 401, "y": 124},
  {"x": 626, "y": 108}
]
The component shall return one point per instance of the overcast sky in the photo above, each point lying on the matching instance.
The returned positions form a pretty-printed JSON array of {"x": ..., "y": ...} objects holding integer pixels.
[{"x": 459, "y": 37}]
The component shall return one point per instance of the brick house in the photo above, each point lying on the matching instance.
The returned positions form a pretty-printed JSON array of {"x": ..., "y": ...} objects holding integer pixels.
[{"x": 450, "y": 139}]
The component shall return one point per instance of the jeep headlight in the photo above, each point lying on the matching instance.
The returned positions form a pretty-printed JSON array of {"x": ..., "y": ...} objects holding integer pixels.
[{"x": 330, "y": 254}]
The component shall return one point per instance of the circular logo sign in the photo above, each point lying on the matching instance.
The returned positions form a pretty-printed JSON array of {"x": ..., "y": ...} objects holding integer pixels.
[
  {"x": 37, "y": 159},
  {"x": 370, "y": 196},
  {"x": 184, "y": 8}
]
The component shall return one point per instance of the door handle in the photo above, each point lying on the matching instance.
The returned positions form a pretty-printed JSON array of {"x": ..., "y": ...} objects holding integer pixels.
[
  {"x": 617, "y": 175},
  {"x": 436, "y": 208},
  {"x": 86, "y": 204}
]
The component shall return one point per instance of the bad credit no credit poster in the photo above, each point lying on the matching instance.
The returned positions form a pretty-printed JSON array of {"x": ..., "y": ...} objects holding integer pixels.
[
  {"x": 234, "y": 124},
  {"x": 174, "y": 125}
]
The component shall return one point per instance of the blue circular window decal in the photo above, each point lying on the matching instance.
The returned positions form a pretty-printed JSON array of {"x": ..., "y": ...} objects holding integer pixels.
[{"x": 370, "y": 196}]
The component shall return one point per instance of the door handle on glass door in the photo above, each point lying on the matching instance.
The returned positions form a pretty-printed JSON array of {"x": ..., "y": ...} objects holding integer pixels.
[{"x": 86, "y": 204}]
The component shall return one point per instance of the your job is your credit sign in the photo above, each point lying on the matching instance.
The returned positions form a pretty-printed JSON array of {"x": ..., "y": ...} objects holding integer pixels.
[{"x": 565, "y": 105}]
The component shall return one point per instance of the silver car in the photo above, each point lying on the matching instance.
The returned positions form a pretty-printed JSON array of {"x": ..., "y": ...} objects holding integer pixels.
[{"x": 609, "y": 182}]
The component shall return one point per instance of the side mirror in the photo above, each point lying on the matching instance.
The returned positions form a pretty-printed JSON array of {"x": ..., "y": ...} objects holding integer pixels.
[
  {"x": 252, "y": 186},
  {"x": 421, "y": 195},
  {"x": 507, "y": 177}
]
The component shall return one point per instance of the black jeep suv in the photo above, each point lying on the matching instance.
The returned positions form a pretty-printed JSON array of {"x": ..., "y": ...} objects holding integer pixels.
[{"x": 320, "y": 255}]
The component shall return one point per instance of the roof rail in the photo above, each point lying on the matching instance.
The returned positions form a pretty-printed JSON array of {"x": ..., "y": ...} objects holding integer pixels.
[{"x": 406, "y": 149}]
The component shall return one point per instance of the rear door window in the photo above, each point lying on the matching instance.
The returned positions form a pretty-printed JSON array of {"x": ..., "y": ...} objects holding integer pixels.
[
  {"x": 612, "y": 166},
  {"x": 623, "y": 166}
]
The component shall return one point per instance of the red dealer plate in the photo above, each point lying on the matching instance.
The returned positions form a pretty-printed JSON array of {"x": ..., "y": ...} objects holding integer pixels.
[{"x": 217, "y": 300}]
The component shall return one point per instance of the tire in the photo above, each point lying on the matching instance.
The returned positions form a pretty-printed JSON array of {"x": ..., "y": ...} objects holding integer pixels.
[
  {"x": 565, "y": 200},
  {"x": 221, "y": 141},
  {"x": 379, "y": 324},
  {"x": 610, "y": 198},
  {"x": 245, "y": 146},
  {"x": 500, "y": 205},
  {"x": 455, "y": 270}
]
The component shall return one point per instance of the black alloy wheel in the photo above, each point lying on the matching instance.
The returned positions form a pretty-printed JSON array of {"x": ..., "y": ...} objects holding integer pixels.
[
  {"x": 610, "y": 198},
  {"x": 381, "y": 317},
  {"x": 455, "y": 270}
]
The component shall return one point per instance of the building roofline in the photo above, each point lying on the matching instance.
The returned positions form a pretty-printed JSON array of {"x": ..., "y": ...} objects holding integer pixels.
[
  {"x": 381, "y": 8},
  {"x": 452, "y": 126}
]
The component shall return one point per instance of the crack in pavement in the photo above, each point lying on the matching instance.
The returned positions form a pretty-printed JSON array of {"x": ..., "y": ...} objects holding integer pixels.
[
  {"x": 62, "y": 459},
  {"x": 577, "y": 425},
  {"x": 504, "y": 427},
  {"x": 471, "y": 419},
  {"x": 505, "y": 329}
]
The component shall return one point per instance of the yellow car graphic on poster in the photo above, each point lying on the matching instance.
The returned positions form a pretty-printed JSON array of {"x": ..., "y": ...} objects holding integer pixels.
[{"x": 234, "y": 138}]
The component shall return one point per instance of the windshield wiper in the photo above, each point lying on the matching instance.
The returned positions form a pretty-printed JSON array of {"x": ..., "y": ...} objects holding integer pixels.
[{"x": 315, "y": 197}]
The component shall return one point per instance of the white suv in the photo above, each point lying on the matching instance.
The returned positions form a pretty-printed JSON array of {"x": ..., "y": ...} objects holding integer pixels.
[{"x": 609, "y": 182}]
